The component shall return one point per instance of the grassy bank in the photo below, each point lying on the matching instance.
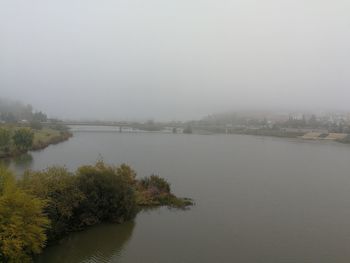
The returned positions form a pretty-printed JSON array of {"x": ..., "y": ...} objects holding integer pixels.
[
  {"x": 37, "y": 139},
  {"x": 48, "y": 136}
]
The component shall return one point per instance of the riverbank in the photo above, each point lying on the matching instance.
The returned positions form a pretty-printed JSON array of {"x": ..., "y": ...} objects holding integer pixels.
[
  {"x": 41, "y": 139},
  {"x": 315, "y": 136},
  {"x": 270, "y": 133},
  {"x": 48, "y": 136},
  {"x": 337, "y": 137}
]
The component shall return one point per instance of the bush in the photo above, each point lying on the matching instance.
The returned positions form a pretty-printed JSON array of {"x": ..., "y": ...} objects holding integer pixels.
[
  {"x": 22, "y": 222},
  {"x": 109, "y": 196},
  {"x": 128, "y": 174},
  {"x": 155, "y": 183},
  {"x": 94, "y": 194},
  {"x": 154, "y": 191},
  {"x": 23, "y": 139},
  {"x": 59, "y": 188},
  {"x": 5, "y": 138}
]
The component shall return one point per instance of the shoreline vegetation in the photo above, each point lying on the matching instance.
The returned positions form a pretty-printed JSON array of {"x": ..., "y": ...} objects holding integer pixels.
[
  {"x": 337, "y": 137},
  {"x": 280, "y": 133},
  {"x": 43, "y": 207},
  {"x": 325, "y": 126},
  {"x": 24, "y": 129},
  {"x": 17, "y": 139}
]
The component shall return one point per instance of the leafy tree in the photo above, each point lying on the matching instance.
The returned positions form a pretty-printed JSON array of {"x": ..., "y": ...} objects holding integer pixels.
[
  {"x": 7, "y": 180},
  {"x": 59, "y": 188},
  {"x": 22, "y": 222},
  {"x": 109, "y": 196},
  {"x": 39, "y": 117},
  {"x": 125, "y": 172},
  {"x": 23, "y": 139},
  {"x": 5, "y": 138}
]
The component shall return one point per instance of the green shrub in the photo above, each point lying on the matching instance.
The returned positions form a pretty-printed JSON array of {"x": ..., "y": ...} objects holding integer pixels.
[
  {"x": 59, "y": 187},
  {"x": 154, "y": 190},
  {"x": 23, "y": 139},
  {"x": 156, "y": 183},
  {"x": 5, "y": 138},
  {"x": 109, "y": 196}
]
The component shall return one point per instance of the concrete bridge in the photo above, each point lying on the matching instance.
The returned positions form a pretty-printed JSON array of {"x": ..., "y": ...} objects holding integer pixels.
[
  {"x": 97, "y": 123},
  {"x": 123, "y": 125},
  {"x": 148, "y": 126}
]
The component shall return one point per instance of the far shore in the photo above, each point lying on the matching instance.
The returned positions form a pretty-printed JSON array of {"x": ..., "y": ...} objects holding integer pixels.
[{"x": 310, "y": 136}]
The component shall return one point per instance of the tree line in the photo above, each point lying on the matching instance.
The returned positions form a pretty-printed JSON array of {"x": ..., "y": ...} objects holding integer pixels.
[{"x": 15, "y": 111}]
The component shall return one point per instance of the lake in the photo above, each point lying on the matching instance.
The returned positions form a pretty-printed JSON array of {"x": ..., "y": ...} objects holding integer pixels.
[{"x": 258, "y": 199}]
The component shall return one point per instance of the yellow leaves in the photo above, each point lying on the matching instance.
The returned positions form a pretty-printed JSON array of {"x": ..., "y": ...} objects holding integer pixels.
[
  {"x": 127, "y": 173},
  {"x": 7, "y": 180},
  {"x": 22, "y": 222}
]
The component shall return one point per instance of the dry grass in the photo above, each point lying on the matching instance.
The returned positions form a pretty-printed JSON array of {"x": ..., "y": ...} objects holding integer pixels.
[
  {"x": 336, "y": 136},
  {"x": 45, "y": 135},
  {"x": 311, "y": 136}
]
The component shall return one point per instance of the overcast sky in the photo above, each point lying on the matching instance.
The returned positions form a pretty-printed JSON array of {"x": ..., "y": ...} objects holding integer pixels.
[{"x": 177, "y": 59}]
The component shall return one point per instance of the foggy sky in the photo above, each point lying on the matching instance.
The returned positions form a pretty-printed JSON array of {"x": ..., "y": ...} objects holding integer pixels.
[{"x": 174, "y": 60}]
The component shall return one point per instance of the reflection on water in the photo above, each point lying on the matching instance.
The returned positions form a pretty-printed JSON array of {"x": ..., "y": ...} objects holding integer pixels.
[
  {"x": 101, "y": 243},
  {"x": 19, "y": 163},
  {"x": 23, "y": 161}
]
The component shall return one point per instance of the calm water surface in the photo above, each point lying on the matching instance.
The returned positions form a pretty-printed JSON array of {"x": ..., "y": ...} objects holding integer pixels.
[{"x": 257, "y": 199}]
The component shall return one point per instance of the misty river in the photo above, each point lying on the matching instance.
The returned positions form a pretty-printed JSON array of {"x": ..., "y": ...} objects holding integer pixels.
[{"x": 258, "y": 199}]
